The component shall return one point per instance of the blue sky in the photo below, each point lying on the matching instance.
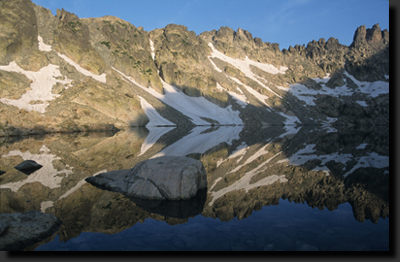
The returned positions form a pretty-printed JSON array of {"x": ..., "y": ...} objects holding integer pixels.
[{"x": 286, "y": 22}]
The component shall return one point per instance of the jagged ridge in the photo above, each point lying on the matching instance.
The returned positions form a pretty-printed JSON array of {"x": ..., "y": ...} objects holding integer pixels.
[{"x": 102, "y": 71}]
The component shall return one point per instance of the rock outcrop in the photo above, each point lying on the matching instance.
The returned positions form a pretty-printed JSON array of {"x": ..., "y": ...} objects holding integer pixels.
[
  {"x": 28, "y": 166},
  {"x": 19, "y": 230},
  {"x": 168, "y": 177},
  {"x": 19, "y": 29}
]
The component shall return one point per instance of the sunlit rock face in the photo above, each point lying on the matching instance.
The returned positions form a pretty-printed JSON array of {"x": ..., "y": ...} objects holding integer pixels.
[
  {"x": 65, "y": 74},
  {"x": 166, "y": 177}
]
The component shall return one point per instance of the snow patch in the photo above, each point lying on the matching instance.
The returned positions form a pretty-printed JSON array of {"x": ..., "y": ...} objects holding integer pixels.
[
  {"x": 290, "y": 120},
  {"x": 259, "y": 96},
  {"x": 308, "y": 153},
  {"x": 153, "y": 53},
  {"x": 372, "y": 89},
  {"x": 154, "y": 134},
  {"x": 253, "y": 157},
  {"x": 362, "y": 146},
  {"x": 327, "y": 125},
  {"x": 155, "y": 119},
  {"x": 240, "y": 151},
  {"x": 362, "y": 103},
  {"x": 199, "y": 142},
  {"x": 79, "y": 185},
  {"x": 43, "y": 46},
  {"x": 307, "y": 95},
  {"x": 371, "y": 160},
  {"x": 290, "y": 130},
  {"x": 214, "y": 65},
  {"x": 42, "y": 83},
  {"x": 194, "y": 107},
  {"x": 244, "y": 182},
  {"x": 45, "y": 205},
  {"x": 100, "y": 78},
  {"x": 47, "y": 175},
  {"x": 283, "y": 88},
  {"x": 244, "y": 66},
  {"x": 323, "y": 80},
  {"x": 240, "y": 99}
]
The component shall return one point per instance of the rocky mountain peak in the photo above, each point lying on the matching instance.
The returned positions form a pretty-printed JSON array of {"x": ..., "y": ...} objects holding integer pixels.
[
  {"x": 374, "y": 34},
  {"x": 371, "y": 36},
  {"x": 332, "y": 43},
  {"x": 243, "y": 35},
  {"x": 359, "y": 35}
]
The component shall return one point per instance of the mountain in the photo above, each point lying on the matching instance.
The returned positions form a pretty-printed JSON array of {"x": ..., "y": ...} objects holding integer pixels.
[{"x": 65, "y": 74}]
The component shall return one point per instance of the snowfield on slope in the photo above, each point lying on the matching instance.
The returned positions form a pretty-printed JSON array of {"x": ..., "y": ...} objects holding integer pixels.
[
  {"x": 246, "y": 183},
  {"x": 155, "y": 119},
  {"x": 240, "y": 98},
  {"x": 244, "y": 66},
  {"x": 307, "y": 95},
  {"x": 199, "y": 141},
  {"x": 196, "y": 108},
  {"x": 100, "y": 78},
  {"x": 308, "y": 153},
  {"x": 47, "y": 48},
  {"x": 42, "y": 83},
  {"x": 42, "y": 46}
]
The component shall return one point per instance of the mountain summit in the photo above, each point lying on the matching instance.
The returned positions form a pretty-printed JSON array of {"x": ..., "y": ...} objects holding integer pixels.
[{"x": 64, "y": 74}]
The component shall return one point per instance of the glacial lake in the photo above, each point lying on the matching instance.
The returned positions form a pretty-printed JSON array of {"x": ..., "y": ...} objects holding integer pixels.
[{"x": 278, "y": 188}]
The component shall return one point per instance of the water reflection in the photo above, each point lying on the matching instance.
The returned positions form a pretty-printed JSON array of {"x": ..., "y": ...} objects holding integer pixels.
[
  {"x": 176, "y": 209},
  {"x": 247, "y": 169}
]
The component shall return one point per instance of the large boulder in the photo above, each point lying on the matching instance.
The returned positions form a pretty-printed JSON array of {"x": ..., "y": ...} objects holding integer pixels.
[
  {"x": 166, "y": 177},
  {"x": 20, "y": 230}
]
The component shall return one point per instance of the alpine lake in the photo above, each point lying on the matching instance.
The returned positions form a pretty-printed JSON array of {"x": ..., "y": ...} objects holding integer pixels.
[{"x": 277, "y": 188}]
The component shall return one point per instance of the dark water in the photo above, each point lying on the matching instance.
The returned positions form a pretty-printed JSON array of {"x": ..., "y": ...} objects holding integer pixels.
[{"x": 277, "y": 188}]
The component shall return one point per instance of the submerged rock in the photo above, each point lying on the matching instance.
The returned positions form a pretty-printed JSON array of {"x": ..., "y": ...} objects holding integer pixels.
[
  {"x": 166, "y": 177},
  {"x": 28, "y": 167},
  {"x": 177, "y": 208},
  {"x": 20, "y": 230}
]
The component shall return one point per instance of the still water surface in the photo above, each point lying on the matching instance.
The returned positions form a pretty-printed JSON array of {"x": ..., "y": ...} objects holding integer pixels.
[{"x": 277, "y": 188}]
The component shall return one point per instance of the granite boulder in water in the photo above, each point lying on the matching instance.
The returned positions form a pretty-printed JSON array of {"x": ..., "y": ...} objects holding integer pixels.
[
  {"x": 20, "y": 230},
  {"x": 166, "y": 177}
]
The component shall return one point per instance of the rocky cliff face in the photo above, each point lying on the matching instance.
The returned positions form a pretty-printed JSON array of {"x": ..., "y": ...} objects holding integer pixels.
[{"x": 63, "y": 74}]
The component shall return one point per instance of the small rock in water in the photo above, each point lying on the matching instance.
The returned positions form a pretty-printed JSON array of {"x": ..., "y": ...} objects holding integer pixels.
[{"x": 28, "y": 167}]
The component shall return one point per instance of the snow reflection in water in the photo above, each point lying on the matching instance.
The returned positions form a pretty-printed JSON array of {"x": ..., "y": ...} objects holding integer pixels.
[{"x": 248, "y": 170}]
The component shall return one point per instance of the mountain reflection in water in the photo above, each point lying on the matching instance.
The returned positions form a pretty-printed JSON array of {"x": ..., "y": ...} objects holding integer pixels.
[{"x": 253, "y": 175}]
